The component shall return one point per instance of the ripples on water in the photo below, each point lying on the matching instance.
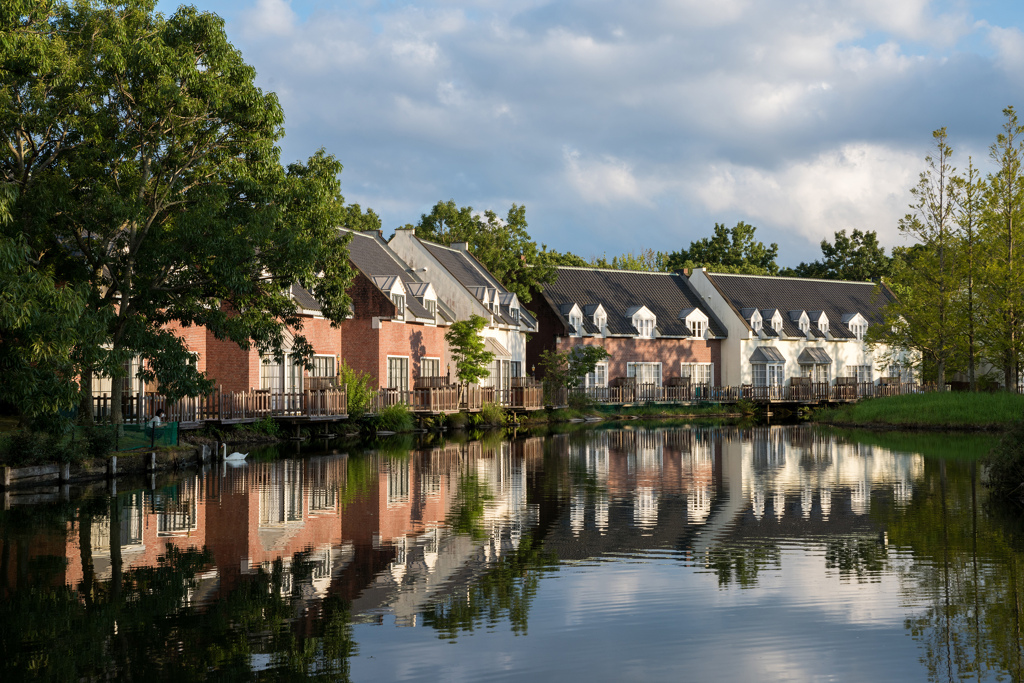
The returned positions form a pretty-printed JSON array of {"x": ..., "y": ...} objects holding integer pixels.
[{"x": 778, "y": 553}]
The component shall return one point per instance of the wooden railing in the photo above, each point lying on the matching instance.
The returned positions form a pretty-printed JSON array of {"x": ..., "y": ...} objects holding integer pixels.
[
  {"x": 798, "y": 392},
  {"x": 228, "y": 406}
]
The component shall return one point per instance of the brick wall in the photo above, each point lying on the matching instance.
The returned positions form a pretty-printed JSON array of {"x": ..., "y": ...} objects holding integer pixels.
[{"x": 669, "y": 352}]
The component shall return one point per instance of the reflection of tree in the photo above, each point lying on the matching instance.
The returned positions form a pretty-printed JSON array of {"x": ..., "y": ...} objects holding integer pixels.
[
  {"x": 865, "y": 558},
  {"x": 467, "y": 513},
  {"x": 741, "y": 564},
  {"x": 506, "y": 591},
  {"x": 969, "y": 570},
  {"x": 141, "y": 625}
]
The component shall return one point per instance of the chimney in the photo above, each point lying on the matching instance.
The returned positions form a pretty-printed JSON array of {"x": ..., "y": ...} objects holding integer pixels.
[{"x": 461, "y": 246}]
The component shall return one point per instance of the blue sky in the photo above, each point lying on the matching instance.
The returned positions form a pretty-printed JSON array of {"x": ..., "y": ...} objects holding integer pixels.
[{"x": 624, "y": 126}]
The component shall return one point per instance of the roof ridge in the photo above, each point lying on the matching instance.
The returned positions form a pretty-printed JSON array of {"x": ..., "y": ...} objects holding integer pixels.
[
  {"x": 617, "y": 270},
  {"x": 789, "y": 277}
]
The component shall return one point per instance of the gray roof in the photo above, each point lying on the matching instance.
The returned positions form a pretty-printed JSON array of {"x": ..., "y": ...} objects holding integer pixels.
[
  {"x": 767, "y": 354},
  {"x": 374, "y": 258},
  {"x": 472, "y": 275},
  {"x": 619, "y": 291},
  {"x": 787, "y": 294},
  {"x": 304, "y": 299},
  {"x": 813, "y": 356}
]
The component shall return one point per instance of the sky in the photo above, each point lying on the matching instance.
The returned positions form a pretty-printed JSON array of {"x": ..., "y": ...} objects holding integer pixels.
[{"x": 626, "y": 126}]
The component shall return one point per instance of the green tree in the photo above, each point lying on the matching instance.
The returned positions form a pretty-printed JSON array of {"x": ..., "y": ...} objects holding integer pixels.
[
  {"x": 968, "y": 194},
  {"x": 924, "y": 316},
  {"x": 857, "y": 256},
  {"x": 551, "y": 257},
  {"x": 646, "y": 260},
  {"x": 467, "y": 348},
  {"x": 1003, "y": 275},
  {"x": 162, "y": 188},
  {"x": 729, "y": 250},
  {"x": 569, "y": 368},
  {"x": 503, "y": 246}
]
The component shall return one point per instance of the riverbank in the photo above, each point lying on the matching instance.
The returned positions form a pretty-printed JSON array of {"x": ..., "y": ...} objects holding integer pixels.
[{"x": 960, "y": 411}]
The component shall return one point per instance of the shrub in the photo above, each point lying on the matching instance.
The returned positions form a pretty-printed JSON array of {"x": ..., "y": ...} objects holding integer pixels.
[
  {"x": 100, "y": 440},
  {"x": 396, "y": 418},
  {"x": 1005, "y": 474},
  {"x": 580, "y": 402},
  {"x": 458, "y": 421},
  {"x": 31, "y": 447},
  {"x": 267, "y": 426},
  {"x": 492, "y": 414},
  {"x": 357, "y": 385}
]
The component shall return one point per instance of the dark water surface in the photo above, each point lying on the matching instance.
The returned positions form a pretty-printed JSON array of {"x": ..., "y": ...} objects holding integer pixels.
[{"x": 706, "y": 553}]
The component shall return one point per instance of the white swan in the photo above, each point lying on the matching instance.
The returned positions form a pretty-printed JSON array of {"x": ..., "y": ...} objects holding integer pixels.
[{"x": 234, "y": 456}]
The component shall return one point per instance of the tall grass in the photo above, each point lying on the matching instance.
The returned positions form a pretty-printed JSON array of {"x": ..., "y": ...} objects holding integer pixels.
[{"x": 950, "y": 409}]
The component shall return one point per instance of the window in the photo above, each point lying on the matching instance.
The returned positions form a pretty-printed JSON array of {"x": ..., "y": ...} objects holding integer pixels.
[
  {"x": 600, "y": 320},
  {"x": 768, "y": 374},
  {"x": 431, "y": 306},
  {"x": 271, "y": 374},
  {"x": 516, "y": 369},
  {"x": 323, "y": 366},
  {"x": 698, "y": 373},
  {"x": 597, "y": 378},
  {"x": 756, "y": 324},
  {"x": 817, "y": 373},
  {"x": 805, "y": 325},
  {"x": 823, "y": 326},
  {"x": 859, "y": 329},
  {"x": 699, "y": 327},
  {"x": 398, "y": 372},
  {"x": 645, "y": 373},
  {"x": 430, "y": 367},
  {"x": 777, "y": 325},
  {"x": 399, "y": 300},
  {"x": 645, "y": 328},
  {"x": 515, "y": 315},
  {"x": 577, "y": 323}
]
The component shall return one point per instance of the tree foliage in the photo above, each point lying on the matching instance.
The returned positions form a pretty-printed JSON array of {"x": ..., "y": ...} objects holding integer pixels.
[
  {"x": 503, "y": 246},
  {"x": 467, "y": 349},
  {"x": 857, "y": 256},
  {"x": 646, "y": 260},
  {"x": 728, "y": 250},
  {"x": 147, "y": 166},
  {"x": 569, "y": 368}
]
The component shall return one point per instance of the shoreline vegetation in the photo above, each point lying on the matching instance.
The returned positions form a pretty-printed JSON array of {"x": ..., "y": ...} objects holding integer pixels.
[{"x": 947, "y": 411}]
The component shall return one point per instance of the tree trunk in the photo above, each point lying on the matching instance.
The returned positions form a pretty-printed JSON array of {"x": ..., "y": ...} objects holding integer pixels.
[{"x": 86, "y": 408}]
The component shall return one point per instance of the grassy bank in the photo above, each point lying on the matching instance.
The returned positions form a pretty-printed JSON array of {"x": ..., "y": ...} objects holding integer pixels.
[{"x": 951, "y": 410}]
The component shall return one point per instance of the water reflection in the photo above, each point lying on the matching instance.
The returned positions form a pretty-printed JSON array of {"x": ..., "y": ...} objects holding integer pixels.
[{"x": 281, "y": 567}]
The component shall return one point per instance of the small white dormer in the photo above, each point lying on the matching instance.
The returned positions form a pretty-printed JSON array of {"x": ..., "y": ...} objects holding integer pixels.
[
  {"x": 512, "y": 301},
  {"x": 696, "y": 320},
  {"x": 756, "y": 321},
  {"x": 424, "y": 292},
  {"x": 574, "y": 314},
  {"x": 773, "y": 318},
  {"x": 857, "y": 324},
  {"x": 598, "y": 316},
  {"x": 820, "y": 321},
  {"x": 801, "y": 320},
  {"x": 395, "y": 290},
  {"x": 644, "y": 320}
]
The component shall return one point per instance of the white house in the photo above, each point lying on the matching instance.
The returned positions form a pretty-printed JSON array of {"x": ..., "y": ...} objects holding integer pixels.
[
  {"x": 781, "y": 327},
  {"x": 468, "y": 288}
]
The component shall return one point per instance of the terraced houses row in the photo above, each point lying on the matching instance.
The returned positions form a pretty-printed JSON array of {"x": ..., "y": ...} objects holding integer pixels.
[{"x": 686, "y": 329}]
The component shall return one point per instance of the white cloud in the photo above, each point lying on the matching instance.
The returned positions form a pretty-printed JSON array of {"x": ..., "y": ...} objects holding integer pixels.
[
  {"x": 859, "y": 185},
  {"x": 607, "y": 180}
]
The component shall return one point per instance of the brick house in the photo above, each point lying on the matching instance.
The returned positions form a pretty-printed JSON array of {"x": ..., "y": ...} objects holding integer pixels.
[
  {"x": 468, "y": 288},
  {"x": 654, "y": 326},
  {"x": 396, "y": 332}
]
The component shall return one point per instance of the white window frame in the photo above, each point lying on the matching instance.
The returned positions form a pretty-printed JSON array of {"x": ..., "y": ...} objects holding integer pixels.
[
  {"x": 325, "y": 361},
  {"x": 631, "y": 369},
  {"x": 816, "y": 373},
  {"x": 768, "y": 374},
  {"x": 698, "y": 370},
  {"x": 408, "y": 369},
  {"x": 597, "y": 378},
  {"x": 430, "y": 358},
  {"x": 431, "y": 306},
  {"x": 577, "y": 323},
  {"x": 399, "y": 301}
]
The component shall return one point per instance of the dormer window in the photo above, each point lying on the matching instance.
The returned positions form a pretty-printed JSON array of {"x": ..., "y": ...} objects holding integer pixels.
[
  {"x": 857, "y": 324},
  {"x": 699, "y": 328},
  {"x": 514, "y": 312},
  {"x": 576, "y": 321},
  {"x": 777, "y": 324},
  {"x": 859, "y": 330},
  {"x": 399, "y": 300},
  {"x": 696, "y": 320},
  {"x": 644, "y": 320},
  {"x": 600, "y": 320},
  {"x": 823, "y": 326},
  {"x": 645, "y": 328},
  {"x": 431, "y": 306},
  {"x": 805, "y": 326}
]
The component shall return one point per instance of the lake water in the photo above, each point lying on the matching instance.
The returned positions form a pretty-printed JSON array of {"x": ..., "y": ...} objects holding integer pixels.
[{"x": 608, "y": 554}]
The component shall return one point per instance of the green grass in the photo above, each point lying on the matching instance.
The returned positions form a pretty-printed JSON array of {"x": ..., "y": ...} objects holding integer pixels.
[
  {"x": 963, "y": 446},
  {"x": 955, "y": 410}
]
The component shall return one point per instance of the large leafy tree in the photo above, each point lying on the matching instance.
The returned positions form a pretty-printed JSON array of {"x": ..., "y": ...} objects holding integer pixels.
[
  {"x": 927, "y": 280},
  {"x": 468, "y": 350},
  {"x": 728, "y": 250},
  {"x": 968, "y": 194},
  {"x": 1002, "y": 231},
  {"x": 503, "y": 246},
  {"x": 160, "y": 186},
  {"x": 857, "y": 256}
]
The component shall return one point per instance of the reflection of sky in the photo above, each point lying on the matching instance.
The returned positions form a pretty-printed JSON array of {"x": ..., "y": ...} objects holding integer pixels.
[{"x": 659, "y": 619}]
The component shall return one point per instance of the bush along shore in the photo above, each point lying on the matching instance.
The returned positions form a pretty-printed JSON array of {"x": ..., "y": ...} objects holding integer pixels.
[{"x": 936, "y": 411}]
